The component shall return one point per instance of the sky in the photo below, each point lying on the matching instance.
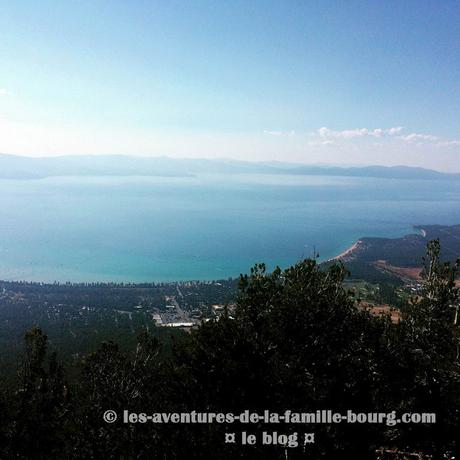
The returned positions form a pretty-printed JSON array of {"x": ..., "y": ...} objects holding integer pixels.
[{"x": 329, "y": 82}]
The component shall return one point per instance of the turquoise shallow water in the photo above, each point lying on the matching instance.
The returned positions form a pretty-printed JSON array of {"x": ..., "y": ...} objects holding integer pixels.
[{"x": 207, "y": 227}]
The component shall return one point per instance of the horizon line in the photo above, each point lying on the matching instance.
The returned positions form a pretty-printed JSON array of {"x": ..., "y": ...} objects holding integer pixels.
[{"x": 226, "y": 159}]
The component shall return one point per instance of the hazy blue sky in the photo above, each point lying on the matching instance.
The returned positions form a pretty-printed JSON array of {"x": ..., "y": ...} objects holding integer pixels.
[{"x": 374, "y": 82}]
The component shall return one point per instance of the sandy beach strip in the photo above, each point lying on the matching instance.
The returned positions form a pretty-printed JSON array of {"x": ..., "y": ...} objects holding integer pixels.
[{"x": 347, "y": 252}]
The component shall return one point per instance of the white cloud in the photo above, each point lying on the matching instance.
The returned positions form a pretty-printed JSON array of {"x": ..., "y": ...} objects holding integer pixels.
[
  {"x": 415, "y": 137},
  {"x": 365, "y": 146},
  {"x": 4, "y": 92},
  {"x": 394, "y": 131},
  {"x": 322, "y": 142},
  {"x": 378, "y": 138},
  {"x": 357, "y": 133},
  {"x": 280, "y": 133}
]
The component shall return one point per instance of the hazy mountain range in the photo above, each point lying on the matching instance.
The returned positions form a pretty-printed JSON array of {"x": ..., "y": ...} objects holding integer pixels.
[{"x": 17, "y": 167}]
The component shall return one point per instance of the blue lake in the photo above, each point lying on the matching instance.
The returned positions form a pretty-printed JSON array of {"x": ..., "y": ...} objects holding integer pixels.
[{"x": 206, "y": 227}]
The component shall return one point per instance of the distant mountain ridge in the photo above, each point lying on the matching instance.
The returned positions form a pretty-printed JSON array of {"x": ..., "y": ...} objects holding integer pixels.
[{"x": 18, "y": 167}]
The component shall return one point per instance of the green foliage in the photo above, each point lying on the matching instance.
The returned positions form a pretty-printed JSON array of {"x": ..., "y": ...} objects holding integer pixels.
[
  {"x": 426, "y": 357},
  {"x": 40, "y": 404},
  {"x": 295, "y": 341}
]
